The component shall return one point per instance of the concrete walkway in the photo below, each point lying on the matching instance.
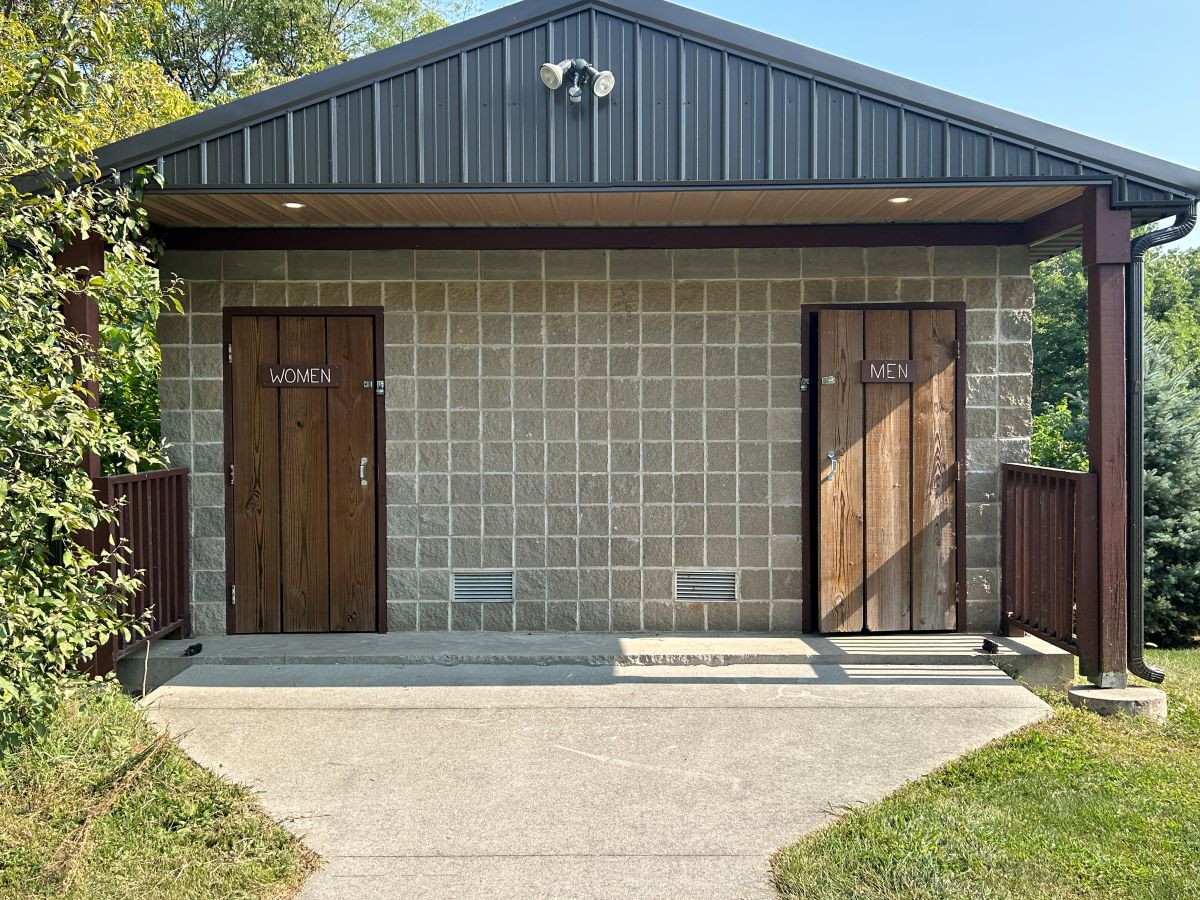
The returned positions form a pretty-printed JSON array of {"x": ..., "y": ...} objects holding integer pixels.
[{"x": 573, "y": 782}]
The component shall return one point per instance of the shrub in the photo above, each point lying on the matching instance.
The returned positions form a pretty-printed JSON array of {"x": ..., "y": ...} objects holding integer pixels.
[{"x": 59, "y": 596}]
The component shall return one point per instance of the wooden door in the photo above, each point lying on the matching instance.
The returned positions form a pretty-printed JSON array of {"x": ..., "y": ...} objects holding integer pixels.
[
  {"x": 303, "y": 420},
  {"x": 887, "y": 470}
]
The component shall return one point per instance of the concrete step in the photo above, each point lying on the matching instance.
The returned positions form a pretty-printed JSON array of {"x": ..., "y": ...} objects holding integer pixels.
[{"x": 1036, "y": 662}]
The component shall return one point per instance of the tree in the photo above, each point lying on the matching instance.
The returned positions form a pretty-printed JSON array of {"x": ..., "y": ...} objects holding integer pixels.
[
  {"x": 59, "y": 598},
  {"x": 1172, "y": 496},
  {"x": 220, "y": 49},
  {"x": 1059, "y": 329}
]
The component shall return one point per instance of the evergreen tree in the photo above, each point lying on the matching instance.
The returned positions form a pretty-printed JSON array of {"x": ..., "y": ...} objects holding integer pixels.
[{"x": 1172, "y": 498}]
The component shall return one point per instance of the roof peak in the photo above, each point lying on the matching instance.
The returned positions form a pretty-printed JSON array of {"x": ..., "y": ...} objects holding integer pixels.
[{"x": 674, "y": 21}]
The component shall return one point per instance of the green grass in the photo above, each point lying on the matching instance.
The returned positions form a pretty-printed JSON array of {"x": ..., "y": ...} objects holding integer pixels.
[
  {"x": 1076, "y": 806},
  {"x": 100, "y": 806}
]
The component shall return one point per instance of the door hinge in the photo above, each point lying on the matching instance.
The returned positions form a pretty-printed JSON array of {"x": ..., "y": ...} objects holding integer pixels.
[
  {"x": 229, "y": 353},
  {"x": 231, "y": 473},
  {"x": 957, "y": 349},
  {"x": 233, "y": 595}
]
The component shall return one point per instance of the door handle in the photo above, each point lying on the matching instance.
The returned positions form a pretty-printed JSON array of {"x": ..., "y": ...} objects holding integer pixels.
[
  {"x": 833, "y": 463},
  {"x": 362, "y": 471}
]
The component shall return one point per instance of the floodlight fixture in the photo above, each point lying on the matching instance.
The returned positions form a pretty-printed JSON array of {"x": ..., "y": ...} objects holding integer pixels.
[{"x": 580, "y": 73}]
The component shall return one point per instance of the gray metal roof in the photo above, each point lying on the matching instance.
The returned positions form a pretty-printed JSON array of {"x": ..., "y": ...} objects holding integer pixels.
[{"x": 698, "y": 101}]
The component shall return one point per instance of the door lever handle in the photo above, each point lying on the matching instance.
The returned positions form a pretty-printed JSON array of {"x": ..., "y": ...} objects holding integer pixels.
[
  {"x": 362, "y": 471},
  {"x": 833, "y": 463}
]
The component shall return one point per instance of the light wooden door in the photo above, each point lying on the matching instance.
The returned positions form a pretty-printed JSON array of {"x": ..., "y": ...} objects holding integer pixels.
[
  {"x": 887, "y": 470},
  {"x": 303, "y": 490}
]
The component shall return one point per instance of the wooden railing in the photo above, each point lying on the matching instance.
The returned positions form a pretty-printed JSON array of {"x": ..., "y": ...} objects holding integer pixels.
[
  {"x": 1048, "y": 561},
  {"x": 152, "y": 516}
]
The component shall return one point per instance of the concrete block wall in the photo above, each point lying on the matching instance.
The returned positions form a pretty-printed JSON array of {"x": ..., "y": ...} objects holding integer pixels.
[{"x": 597, "y": 418}]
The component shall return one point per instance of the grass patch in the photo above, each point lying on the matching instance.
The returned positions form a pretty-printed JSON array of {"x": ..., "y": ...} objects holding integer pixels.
[
  {"x": 1076, "y": 806},
  {"x": 101, "y": 806}
]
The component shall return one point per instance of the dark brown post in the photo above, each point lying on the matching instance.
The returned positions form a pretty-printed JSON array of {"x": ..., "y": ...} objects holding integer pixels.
[
  {"x": 1106, "y": 235},
  {"x": 83, "y": 314}
]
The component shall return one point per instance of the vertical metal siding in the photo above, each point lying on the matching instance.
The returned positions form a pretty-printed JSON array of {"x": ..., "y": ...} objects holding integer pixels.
[
  {"x": 616, "y": 133},
  {"x": 182, "y": 167},
  {"x": 660, "y": 107},
  {"x": 440, "y": 128},
  {"x": 398, "y": 131},
  {"x": 571, "y": 137},
  {"x": 312, "y": 160},
  {"x": 700, "y": 103},
  {"x": 484, "y": 113},
  {"x": 1011, "y": 159},
  {"x": 1056, "y": 165},
  {"x": 792, "y": 117},
  {"x": 226, "y": 160},
  {"x": 968, "y": 152},
  {"x": 355, "y": 138},
  {"x": 746, "y": 109},
  {"x": 878, "y": 139},
  {"x": 682, "y": 110},
  {"x": 529, "y": 106},
  {"x": 269, "y": 152},
  {"x": 835, "y": 132},
  {"x": 924, "y": 146}
]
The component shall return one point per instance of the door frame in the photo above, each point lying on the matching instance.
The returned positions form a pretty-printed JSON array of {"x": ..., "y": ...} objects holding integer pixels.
[
  {"x": 808, "y": 457},
  {"x": 375, "y": 313}
]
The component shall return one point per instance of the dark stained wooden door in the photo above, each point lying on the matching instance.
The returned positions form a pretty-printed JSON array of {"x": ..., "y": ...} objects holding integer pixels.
[
  {"x": 304, "y": 496},
  {"x": 887, "y": 471}
]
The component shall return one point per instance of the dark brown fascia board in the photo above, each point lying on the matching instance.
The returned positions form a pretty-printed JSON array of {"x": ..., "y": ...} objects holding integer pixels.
[
  {"x": 606, "y": 238},
  {"x": 671, "y": 18}
]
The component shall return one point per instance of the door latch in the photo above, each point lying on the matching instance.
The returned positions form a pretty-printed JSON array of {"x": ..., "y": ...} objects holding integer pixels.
[
  {"x": 377, "y": 385},
  {"x": 833, "y": 463},
  {"x": 828, "y": 379},
  {"x": 804, "y": 382},
  {"x": 362, "y": 471}
]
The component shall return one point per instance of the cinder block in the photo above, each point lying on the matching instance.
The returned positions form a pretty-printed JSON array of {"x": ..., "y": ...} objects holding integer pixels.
[
  {"x": 381, "y": 265},
  {"x": 318, "y": 265},
  {"x": 896, "y": 261},
  {"x": 964, "y": 261},
  {"x": 444, "y": 265}
]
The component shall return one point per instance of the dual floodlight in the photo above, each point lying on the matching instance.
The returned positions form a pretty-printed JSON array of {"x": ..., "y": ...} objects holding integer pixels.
[{"x": 581, "y": 73}]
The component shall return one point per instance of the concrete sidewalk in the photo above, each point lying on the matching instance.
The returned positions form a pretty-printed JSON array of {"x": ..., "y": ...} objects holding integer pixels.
[
  {"x": 1037, "y": 662},
  {"x": 516, "y": 782}
]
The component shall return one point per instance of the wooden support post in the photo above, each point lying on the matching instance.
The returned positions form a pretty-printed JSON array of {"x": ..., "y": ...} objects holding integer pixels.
[
  {"x": 1106, "y": 234},
  {"x": 83, "y": 314}
]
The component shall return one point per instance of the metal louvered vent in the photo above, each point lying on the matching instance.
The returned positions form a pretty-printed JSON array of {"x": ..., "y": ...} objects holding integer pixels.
[
  {"x": 696, "y": 585},
  {"x": 483, "y": 586}
]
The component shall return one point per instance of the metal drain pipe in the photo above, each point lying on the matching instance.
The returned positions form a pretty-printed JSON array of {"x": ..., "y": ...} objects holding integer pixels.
[{"x": 1135, "y": 311}]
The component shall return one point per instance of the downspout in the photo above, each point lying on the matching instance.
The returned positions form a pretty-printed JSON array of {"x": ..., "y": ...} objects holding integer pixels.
[{"x": 1135, "y": 310}]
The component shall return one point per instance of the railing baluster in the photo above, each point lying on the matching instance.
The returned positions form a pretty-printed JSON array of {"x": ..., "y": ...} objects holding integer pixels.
[
  {"x": 1048, "y": 542},
  {"x": 152, "y": 519}
]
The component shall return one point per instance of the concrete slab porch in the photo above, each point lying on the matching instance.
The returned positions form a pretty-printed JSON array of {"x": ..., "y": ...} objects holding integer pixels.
[
  {"x": 1039, "y": 664},
  {"x": 565, "y": 781}
]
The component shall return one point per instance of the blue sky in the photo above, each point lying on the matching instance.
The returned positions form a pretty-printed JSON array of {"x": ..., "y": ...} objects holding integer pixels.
[{"x": 1080, "y": 64}]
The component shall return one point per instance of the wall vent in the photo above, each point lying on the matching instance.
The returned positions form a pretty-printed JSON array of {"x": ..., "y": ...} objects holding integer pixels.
[
  {"x": 705, "y": 585},
  {"x": 482, "y": 586}
]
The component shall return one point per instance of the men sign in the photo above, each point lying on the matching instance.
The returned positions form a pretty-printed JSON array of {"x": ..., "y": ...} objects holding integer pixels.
[
  {"x": 888, "y": 370},
  {"x": 299, "y": 375}
]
